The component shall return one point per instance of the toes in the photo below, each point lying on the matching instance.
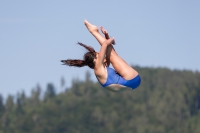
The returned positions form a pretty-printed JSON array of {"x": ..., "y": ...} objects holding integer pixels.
[{"x": 103, "y": 30}]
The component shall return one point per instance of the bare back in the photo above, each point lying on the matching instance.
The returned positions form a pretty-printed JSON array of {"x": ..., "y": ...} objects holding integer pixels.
[{"x": 101, "y": 73}]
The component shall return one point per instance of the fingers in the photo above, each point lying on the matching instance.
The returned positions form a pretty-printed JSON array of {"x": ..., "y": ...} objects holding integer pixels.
[
  {"x": 114, "y": 41},
  {"x": 104, "y": 32},
  {"x": 110, "y": 41}
]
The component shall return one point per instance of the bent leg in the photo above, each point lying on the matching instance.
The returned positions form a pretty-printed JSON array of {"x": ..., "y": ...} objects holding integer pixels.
[{"x": 126, "y": 71}]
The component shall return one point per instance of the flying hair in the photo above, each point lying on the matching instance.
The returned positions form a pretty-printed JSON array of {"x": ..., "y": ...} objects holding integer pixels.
[
  {"x": 87, "y": 61},
  {"x": 89, "y": 48}
]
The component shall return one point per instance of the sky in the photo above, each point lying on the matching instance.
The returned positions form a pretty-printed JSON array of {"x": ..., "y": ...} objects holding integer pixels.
[{"x": 36, "y": 35}]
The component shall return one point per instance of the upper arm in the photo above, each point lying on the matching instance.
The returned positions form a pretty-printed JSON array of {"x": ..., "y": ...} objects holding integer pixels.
[{"x": 101, "y": 56}]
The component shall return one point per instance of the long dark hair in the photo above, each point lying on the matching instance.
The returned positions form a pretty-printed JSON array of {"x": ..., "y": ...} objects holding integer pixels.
[{"x": 88, "y": 59}]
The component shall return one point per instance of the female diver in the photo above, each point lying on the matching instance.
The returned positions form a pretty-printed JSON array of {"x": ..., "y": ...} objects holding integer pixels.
[{"x": 121, "y": 77}]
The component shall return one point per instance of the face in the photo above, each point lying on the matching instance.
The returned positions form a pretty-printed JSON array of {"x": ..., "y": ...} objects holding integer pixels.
[{"x": 97, "y": 54}]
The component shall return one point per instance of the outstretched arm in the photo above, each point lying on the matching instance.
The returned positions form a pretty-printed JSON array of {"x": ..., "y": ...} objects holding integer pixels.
[
  {"x": 102, "y": 53},
  {"x": 104, "y": 31}
]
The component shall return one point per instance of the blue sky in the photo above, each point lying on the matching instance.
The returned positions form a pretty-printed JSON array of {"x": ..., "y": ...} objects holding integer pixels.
[{"x": 36, "y": 35}]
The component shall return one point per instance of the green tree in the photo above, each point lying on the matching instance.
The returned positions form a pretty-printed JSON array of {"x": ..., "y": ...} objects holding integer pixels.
[
  {"x": 50, "y": 91},
  {"x": 1, "y": 105}
]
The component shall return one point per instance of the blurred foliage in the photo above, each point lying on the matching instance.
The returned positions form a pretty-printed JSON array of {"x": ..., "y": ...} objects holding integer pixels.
[{"x": 167, "y": 101}]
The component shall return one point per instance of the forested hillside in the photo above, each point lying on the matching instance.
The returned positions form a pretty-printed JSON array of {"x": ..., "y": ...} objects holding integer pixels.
[{"x": 167, "y": 101}]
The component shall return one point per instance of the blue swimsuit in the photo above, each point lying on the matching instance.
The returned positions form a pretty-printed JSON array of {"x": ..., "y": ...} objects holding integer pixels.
[{"x": 115, "y": 78}]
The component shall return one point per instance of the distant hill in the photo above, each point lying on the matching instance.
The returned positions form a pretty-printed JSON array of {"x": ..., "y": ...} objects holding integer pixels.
[{"x": 167, "y": 101}]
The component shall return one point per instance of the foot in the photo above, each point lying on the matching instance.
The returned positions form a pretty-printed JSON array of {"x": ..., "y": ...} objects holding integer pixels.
[
  {"x": 106, "y": 34},
  {"x": 90, "y": 27},
  {"x": 104, "y": 31}
]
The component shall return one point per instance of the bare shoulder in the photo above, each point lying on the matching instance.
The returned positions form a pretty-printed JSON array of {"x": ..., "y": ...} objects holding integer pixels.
[{"x": 100, "y": 71}]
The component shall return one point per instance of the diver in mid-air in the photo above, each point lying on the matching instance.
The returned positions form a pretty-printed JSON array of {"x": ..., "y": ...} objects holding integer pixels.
[{"x": 121, "y": 77}]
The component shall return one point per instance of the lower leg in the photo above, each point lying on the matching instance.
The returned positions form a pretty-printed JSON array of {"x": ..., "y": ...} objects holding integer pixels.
[
  {"x": 118, "y": 63},
  {"x": 95, "y": 32}
]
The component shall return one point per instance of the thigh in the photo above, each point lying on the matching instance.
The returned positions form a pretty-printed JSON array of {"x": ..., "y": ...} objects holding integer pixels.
[{"x": 125, "y": 70}]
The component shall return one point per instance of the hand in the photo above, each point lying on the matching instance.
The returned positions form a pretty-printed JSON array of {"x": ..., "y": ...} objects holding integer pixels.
[
  {"x": 109, "y": 41},
  {"x": 106, "y": 34}
]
